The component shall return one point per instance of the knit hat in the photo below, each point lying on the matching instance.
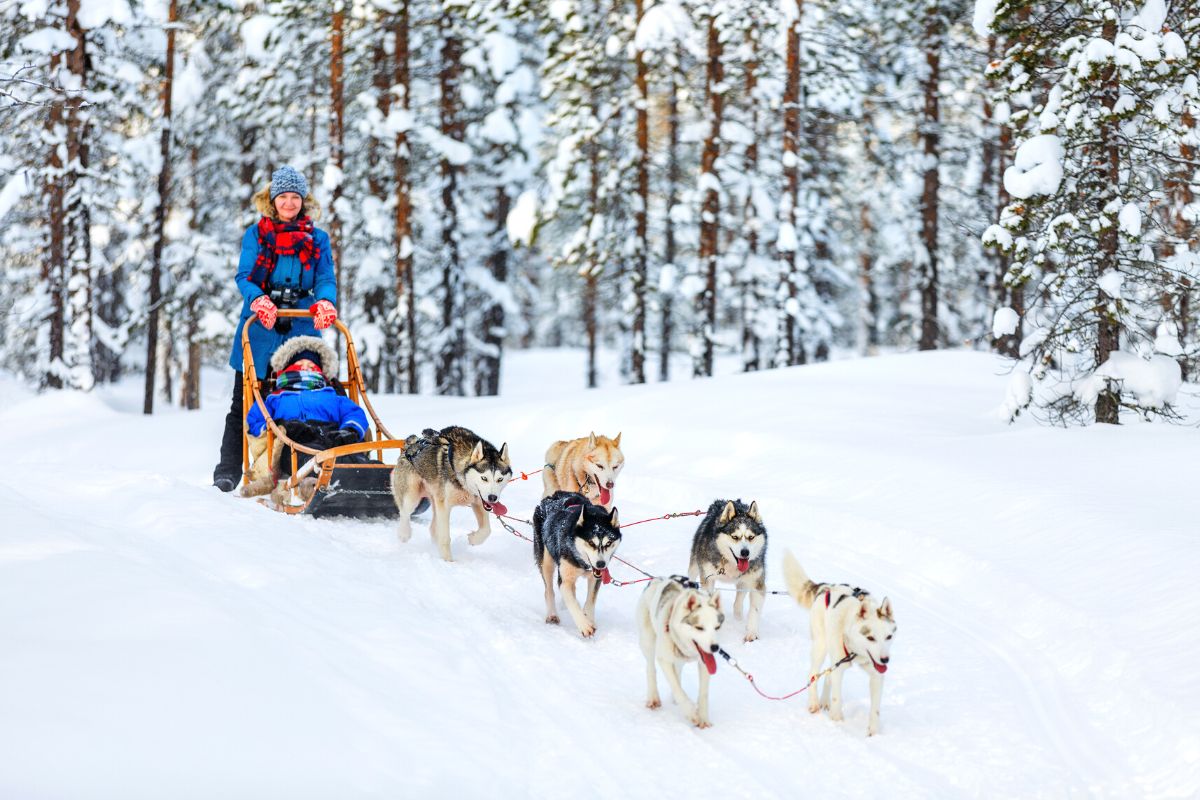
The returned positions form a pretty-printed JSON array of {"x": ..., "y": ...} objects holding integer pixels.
[{"x": 287, "y": 179}]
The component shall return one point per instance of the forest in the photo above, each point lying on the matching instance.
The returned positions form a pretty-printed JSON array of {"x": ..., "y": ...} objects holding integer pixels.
[{"x": 768, "y": 182}]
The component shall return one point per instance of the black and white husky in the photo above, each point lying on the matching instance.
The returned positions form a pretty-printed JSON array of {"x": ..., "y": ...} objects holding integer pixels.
[
  {"x": 731, "y": 546},
  {"x": 848, "y": 627},
  {"x": 578, "y": 539},
  {"x": 678, "y": 622}
]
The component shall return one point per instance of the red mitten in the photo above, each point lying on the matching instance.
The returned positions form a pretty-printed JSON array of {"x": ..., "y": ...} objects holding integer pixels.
[
  {"x": 324, "y": 314},
  {"x": 265, "y": 310}
]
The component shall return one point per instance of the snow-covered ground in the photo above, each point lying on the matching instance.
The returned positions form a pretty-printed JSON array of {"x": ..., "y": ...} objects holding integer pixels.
[{"x": 160, "y": 639}]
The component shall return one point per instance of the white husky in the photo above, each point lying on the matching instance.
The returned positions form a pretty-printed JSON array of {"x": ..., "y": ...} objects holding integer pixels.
[
  {"x": 678, "y": 623},
  {"x": 849, "y": 627}
]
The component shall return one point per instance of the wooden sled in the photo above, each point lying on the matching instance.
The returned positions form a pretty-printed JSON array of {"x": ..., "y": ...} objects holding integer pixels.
[{"x": 342, "y": 490}]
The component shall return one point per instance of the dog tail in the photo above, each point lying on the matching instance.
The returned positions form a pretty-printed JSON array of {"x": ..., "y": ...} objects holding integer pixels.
[{"x": 799, "y": 585}]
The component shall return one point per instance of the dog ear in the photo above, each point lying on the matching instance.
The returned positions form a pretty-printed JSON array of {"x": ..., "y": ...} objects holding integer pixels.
[
  {"x": 477, "y": 453},
  {"x": 717, "y": 603},
  {"x": 862, "y": 609},
  {"x": 613, "y": 519},
  {"x": 617, "y": 441},
  {"x": 579, "y": 517},
  {"x": 753, "y": 512},
  {"x": 504, "y": 452},
  {"x": 592, "y": 439},
  {"x": 727, "y": 513},
  {"x": 885, "y": 609},
  {"x": 691, "y": 603}
]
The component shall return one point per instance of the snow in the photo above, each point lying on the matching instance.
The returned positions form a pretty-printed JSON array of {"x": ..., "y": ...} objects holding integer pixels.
[
  {"x": 1130, "y": 220},
  {"x": 1037, "y": 168},
  {"x": 456, "y": 152},
  {"x": 522, "y": 219},
  {"x": 1005, "y": 322},
  {"x": 47, "y": 41},
  {"x": 158, "y": 633},
  {"x": 999, "y": 236},
  {"x": 786, "y": 241},
  {"x": 1155, "y": 381},
  {"x": 15, "y": 188},
  {"x": 1166, "y": 339},
  {"x": 1111, "y": 282},
  {"x": 1174, "y": 48},
  {"x": 1151, "y": 18},
  {"x": 254, "y": 35},
  {"x": 662, "y": 26},
  {"x": 984, "y": 17},
  {"x": 94, "y": 13}
]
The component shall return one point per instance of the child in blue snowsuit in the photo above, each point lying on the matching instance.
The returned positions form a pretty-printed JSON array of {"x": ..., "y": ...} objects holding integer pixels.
[{"x": 308, "y": 408}]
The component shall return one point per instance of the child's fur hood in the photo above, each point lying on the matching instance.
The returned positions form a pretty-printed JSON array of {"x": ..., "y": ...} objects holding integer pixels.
[{"x": 327, "y": 355}]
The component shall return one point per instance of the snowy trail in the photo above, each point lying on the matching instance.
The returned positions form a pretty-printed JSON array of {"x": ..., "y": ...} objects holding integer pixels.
[{"x": 162, "y": 634}]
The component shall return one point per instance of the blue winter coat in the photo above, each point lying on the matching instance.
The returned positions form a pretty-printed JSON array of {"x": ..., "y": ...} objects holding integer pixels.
[
  {"x": 320, "y": 280},
  {"x": 311, "y": 405}
]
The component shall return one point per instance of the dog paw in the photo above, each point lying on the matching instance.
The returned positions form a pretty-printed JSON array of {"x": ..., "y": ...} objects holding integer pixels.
[
  {"x": 653, "y": 703},
  {"x": 872, "y": 729},
  {"x": 836, "y": 716},
  {"x": 813, "y": 708},
  {"x": 750, "y": 637},
  {"x": 702, "y": 723},
  {"x": 587, "y": 630},
  {"x": 478, "y": 537},
  {"x": 552, "y": 619}
]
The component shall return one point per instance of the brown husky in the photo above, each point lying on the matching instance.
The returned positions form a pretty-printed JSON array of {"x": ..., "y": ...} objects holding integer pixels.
[{"x": 585, "y": 465}]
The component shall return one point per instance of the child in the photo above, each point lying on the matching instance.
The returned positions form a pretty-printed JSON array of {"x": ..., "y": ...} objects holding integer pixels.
[{"x": 306, "y": 406}]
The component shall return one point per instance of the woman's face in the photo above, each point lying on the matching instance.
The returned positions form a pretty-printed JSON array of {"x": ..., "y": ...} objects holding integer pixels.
[{"x": 287, "y": 205}]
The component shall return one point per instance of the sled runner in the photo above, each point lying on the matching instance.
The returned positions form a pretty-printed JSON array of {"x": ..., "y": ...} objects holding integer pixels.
[{"x": 351, "y": 480}]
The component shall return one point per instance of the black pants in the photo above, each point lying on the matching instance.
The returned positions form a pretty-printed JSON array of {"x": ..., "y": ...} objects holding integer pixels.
[{"x": 230, "y": 465}]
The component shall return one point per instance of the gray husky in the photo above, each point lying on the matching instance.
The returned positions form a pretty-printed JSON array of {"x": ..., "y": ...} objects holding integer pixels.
[
  {"x": 731, "y": 545},
  {"x": 576, "y": 538},
  {"x": 452, "y": 467}
]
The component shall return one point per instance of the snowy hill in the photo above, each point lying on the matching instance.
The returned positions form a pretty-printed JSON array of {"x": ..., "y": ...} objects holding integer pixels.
[{"x": 163, "y": 640}]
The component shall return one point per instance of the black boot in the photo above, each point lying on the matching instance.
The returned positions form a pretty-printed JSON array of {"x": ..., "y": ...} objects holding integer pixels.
[{"x": 228, "y": 472}]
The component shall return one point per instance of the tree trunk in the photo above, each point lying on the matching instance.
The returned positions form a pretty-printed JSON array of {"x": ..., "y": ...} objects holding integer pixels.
[
  {"x": 405, "y": 314},
  {"x": 487, "y": 374},
  {"x": 1108, "y": 333},
  {"x": 337, "y": 145},
  {"x": 931, "y": 134},
  {"x": 55, "y": 263},
  {"x": 160, "y": 214},
  {"x": 751, "y": 344},
  {"x": 450, "y": 377},
  {"x": 637, "y": 365},
  {"x": 866, "y": 276},
  {"x": 710, "y": 209},
  {"x": 667, "y": 298},
  {"x": 788, "y": 349},
  {"x": 79, "y": 334}
]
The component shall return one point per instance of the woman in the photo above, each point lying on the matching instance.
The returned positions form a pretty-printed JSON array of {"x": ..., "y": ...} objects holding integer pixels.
[{"x": 286, "y": 262}]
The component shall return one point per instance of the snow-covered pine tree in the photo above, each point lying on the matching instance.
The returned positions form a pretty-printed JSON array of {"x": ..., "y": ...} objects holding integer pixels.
[{"x": 1084, "y": 81}]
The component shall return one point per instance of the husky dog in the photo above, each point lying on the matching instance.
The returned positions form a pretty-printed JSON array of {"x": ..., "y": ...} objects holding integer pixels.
[
  {"x": 846, "y": 623},
  {"x": 452, "y": 467},
  {"x": 731, "y": 545},
  {"x": 588, "y": 466},
  {"x": 678, "y": 622},
  {"x": 576, "y": 538}
]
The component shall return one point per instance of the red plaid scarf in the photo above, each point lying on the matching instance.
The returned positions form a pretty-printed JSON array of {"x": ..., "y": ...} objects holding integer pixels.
[{"x": 277, "y": 238}]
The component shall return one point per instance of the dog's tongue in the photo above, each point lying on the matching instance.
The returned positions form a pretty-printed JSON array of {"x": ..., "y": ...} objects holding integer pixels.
[
  {"x": 880, "y": 668},
  {"x": 743, "y": 564},
  {"x": 499, "y": 508},
  {"x": 605, "y": 496},
  {"x": 605, "y": 576},
  {"x": 710, "y": 661}
]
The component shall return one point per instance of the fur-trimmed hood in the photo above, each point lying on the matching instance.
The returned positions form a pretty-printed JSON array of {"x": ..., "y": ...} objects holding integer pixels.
[{"x": 286, "y": 351}]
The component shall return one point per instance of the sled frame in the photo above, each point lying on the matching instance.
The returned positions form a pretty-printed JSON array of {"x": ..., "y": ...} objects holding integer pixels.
[{"x": 378, "y": 438}]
